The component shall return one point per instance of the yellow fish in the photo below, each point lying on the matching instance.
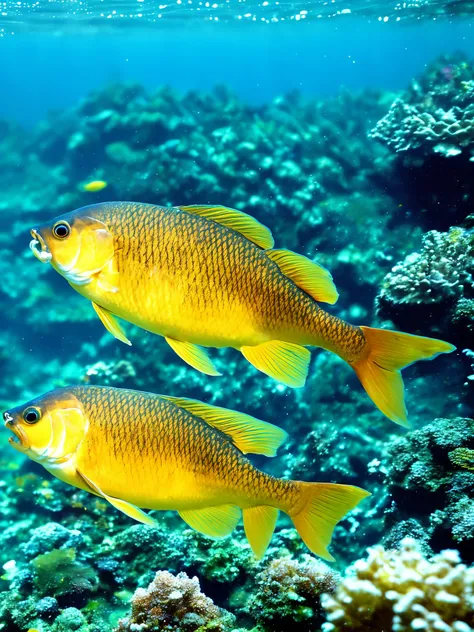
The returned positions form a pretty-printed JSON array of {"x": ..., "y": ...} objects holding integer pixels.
[
  {"x": 139, "y": 450},
  {"x": 94, "y": 186},
  {"x": 208, "y": 276}
]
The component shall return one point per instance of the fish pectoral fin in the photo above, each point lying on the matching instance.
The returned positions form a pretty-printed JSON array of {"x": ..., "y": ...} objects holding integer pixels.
[
  {"x": 111, "y": 324},
  {"x": 215, "y": 522},
  {"x": 195, "y": 356},
  {"x": 241, "y": 222},
  {"x": 122, "y": 505},
  {"x": 311, "y": 277},
  {"x": 259, "y": 524},
  {"x": 248, "y": 434},
  {"x": 283, "y": 361}
]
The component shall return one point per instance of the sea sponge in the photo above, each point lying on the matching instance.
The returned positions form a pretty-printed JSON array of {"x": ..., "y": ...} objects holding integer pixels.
[
  {"x": 289, "y": 592},
  {"x": 174, "y": 603},
  {"x": 403, "y": 591}
]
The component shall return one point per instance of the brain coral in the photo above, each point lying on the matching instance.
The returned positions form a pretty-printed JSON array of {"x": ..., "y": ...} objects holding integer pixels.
[{"x": 402, "y": 591}]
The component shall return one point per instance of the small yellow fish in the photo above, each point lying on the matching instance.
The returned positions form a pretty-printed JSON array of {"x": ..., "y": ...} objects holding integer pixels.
[
  {"x": 139, "y": 450},
  {"x": 94, "y": 186},
  {"x": 208, "y": 276}
]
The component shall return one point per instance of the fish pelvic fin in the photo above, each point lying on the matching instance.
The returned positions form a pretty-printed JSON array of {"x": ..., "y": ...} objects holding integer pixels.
[
  {"x": 195, "y": 356},
  {"x": 309, "y": 276},
  {"x": 285, "y": 362},
  {"x": 248, "y": 434},
  {"x": 259, "y": 524},
  {"x": 215, "y": 522},
  {"x": 111, "y": 323},
  {"x": 239, "y": 221},
  {"x": 379, "y": 369},
  {"x": 321, "y": 507},
  {"x": 122, "y": 505}
]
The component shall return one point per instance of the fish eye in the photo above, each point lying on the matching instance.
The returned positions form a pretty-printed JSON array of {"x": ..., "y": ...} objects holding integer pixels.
[
  {"x": 31, "y": 415},
  {"x": 61, "y": 230}
]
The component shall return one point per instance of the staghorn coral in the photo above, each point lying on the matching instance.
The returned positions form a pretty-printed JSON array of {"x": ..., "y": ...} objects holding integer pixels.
[
  {"x": 402, "y": 591},
  {"x": 174, "y": 603},
  {"x": 288, "y": 593},
  {"x": 434, "y": 284}
]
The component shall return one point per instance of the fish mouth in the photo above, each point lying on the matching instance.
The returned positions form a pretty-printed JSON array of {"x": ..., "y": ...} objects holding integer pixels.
[
  {"x": 38, "y": 242},
  {"x": 19, "y": 441}
]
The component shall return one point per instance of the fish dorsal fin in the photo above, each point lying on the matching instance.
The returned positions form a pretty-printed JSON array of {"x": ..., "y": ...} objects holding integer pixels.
[
  {"x": 283, "y": 361},
  {"x": 307, "y": 275},
  {"x": 215, "y": 522},
  {"x": 248, "y": 434},
  {"x": 195, "y": 356},
  {"x": 259, "y": 524},
  {"x": 122, "y": 505},
  {"x": 111, "y": 323},
  {"x": 241, "y": 222}
]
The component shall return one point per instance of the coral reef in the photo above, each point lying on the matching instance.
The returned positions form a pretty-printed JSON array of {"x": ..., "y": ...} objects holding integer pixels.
[
  {"x": 431, "y": 129},
  {"x": 174, "y": 603},
  {"x": 436, "y": 113},
  {"x": 428, "y": 486},
  {"x": 306, "y": 168},
  {"x": 401, "y": 591},
  {"x": 434, "y": 285},
  {"x": 288, "y": 593}
]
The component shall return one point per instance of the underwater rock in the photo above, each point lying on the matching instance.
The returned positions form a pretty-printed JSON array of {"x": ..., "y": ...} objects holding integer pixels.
[
  {"x": 434, "y": 285},
  {"x": 174, "y": 603},
  {"x": 403, "y": 591},
  {"x": 288, "y": 594}
]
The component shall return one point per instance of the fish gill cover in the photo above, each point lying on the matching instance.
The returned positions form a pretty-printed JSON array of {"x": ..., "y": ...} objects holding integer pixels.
[{"x": 375, "y": 186}]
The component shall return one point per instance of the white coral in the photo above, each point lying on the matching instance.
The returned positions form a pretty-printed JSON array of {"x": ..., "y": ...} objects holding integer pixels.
[{"x": 402, "y": 591}]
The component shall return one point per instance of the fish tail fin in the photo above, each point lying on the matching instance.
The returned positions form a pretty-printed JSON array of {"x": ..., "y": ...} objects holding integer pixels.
[
  {"x": 386, "y": 353},
  {"x": 321, "y": 507}
]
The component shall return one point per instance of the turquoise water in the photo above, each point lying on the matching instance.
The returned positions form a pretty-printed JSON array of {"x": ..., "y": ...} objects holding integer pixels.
[{"x": 347, "y": 129}]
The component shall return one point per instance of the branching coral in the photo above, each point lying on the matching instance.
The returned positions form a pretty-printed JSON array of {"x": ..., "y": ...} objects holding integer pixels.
[
  {"x": 174, "y": 603},
  {"x": 288, "y": 593},
  {"x": 433, "y": 285},
  {"x": 402, "y": 591}
]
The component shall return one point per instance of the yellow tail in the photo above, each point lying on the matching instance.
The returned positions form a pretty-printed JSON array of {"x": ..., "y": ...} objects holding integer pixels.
[
  {"x": 386, "y": 353},
  {"x": 324, "y": 505}
]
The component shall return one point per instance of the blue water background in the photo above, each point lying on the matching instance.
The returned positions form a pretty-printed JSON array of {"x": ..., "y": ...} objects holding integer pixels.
[{"x": 44, "y": 71}]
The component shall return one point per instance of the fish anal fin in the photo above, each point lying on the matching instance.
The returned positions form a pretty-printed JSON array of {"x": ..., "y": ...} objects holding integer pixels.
[
  {"x": 306, "y": 274},
  {"x": 248, "y": 434},
  {"x": 241, "y": 222},
  {"x": 285, "y": 362},
  {"x": 259, "y": 524},
  {"x": 215, "y": 522},
  {"x": 122, "y": 505},
  {"x": 195, "y": 356},
  {"x": 111, "y": 323}
]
